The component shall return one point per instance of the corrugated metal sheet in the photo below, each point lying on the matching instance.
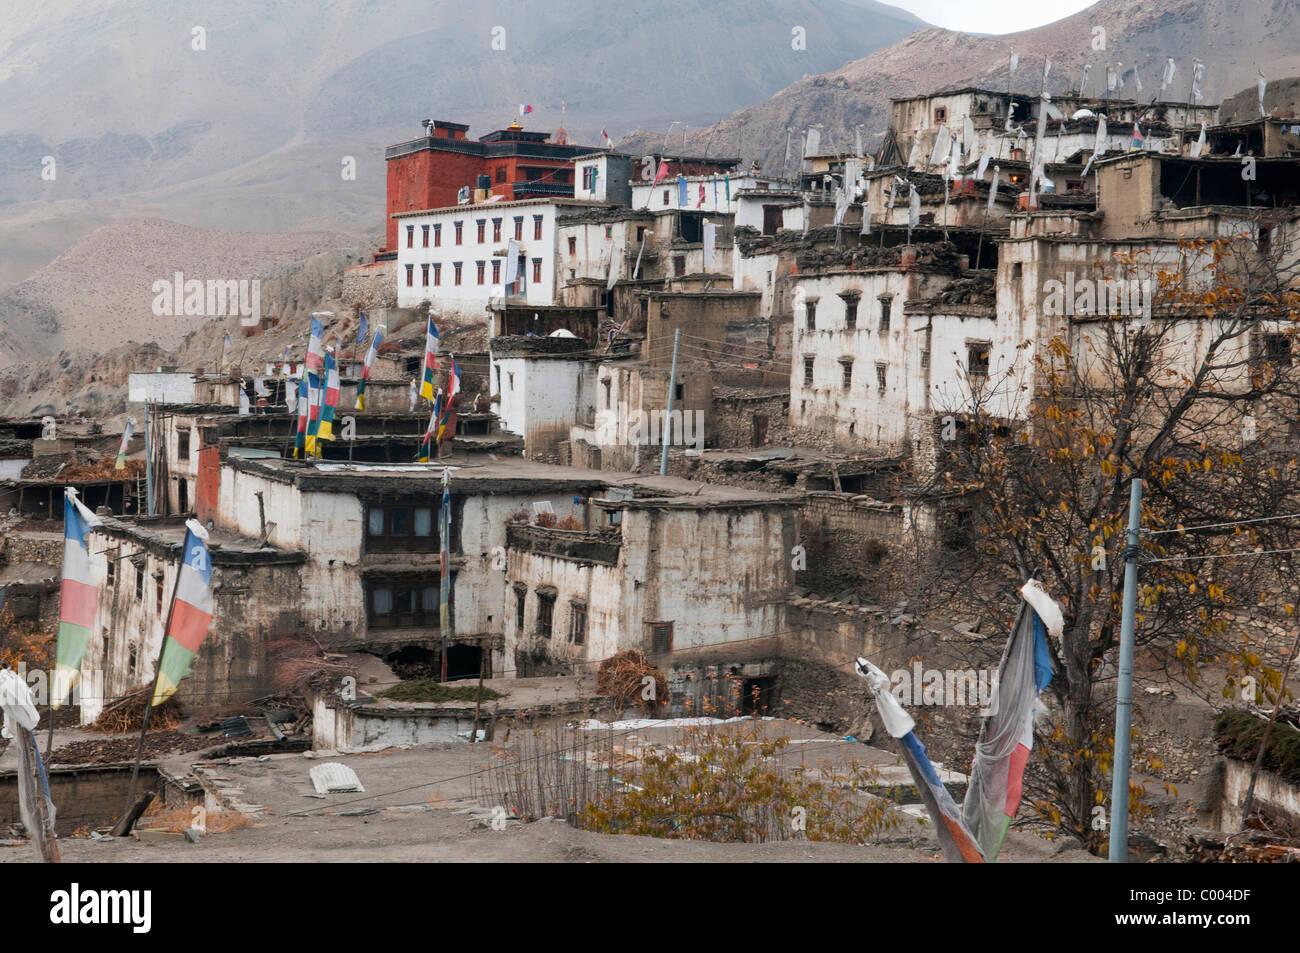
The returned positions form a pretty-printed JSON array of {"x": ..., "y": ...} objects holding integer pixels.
[{"x": 335, "y": 778}]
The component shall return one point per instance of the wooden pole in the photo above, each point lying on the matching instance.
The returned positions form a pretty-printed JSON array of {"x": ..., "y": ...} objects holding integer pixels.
[
  {"x": 49, "y": 846},
  {"x": 478, "y": 700},
  {"x": 148, "y": 706}
]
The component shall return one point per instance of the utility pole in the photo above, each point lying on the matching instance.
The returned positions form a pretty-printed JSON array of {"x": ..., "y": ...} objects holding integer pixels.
[
  {"x": 1124, "y": 691},
  {"x": 668, "y": 421}
]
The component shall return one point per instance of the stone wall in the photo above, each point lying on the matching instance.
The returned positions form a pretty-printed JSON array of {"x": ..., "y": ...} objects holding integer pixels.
[{"x": 85, "y": 797}]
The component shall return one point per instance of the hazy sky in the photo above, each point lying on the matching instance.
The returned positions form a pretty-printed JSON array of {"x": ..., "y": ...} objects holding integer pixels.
[{"x": 991, "y": 16}]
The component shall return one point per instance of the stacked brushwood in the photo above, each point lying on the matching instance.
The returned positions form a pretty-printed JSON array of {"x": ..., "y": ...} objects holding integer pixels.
[
  {"x": 126, "y": 714},
  {"x": 622, "y": 677},
  {"x": 301, "y": 664}
]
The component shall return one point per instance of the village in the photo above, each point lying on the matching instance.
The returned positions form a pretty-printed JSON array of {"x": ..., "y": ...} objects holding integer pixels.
[{"x": 632, "y": 455}]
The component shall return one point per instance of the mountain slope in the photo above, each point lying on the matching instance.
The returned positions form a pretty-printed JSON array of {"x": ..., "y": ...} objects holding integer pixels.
[
  {"x": 250, "y": 131},
  {"x": 1234, "y": 38}
]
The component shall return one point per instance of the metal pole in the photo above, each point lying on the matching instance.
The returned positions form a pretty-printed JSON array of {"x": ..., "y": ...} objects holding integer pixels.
[
  {"x": 148, "y": 461},
  {"x": 1124, "y": 692},
  {"x": 668, "y": 421}
]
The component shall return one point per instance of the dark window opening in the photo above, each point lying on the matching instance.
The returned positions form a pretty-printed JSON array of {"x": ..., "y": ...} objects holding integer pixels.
[
  {"x": 521, "y": 603},
  {"x": 545, "y": 614},
  {"x": 977, "y": 359},
  {"x": 808, "y": 371}
]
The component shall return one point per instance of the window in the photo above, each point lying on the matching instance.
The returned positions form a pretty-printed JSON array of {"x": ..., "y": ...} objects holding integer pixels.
[
  {"x": 1277, "y": 349},
  {"x": 501, "y": 174},
  {"x": 977, "y": 358},
  {"x": 396, "y": 603},
  {"x": 679, "y": 265},
  {"x": 1265, "y": 236},
  {"x": 640, "y": 233},
  {"x": 183, "y": 444},
  {"x": 537, "y": 227},
  {"x": 410, "y": 275},
  {"x": 496, "y": 229},
  {"x": 940, "y": 114},
  {"x": 846, "y": 367},
  {"x": 661, "y": 637},
  {"x": 589, "y": 178},
  {"x": 482, "y": 230},
  {"x": 424, "y": 235},
  {"x": 850, "y": 313},
  {"x": 521, "y": 602},
  {"x": 131, "y": 658},
  {"x": 456, "y": 266},
  {"x": 158, "y": 593},
  {"x": 677, "y": 391},
  {"x": 881, "y": 368},
  {"x": 496, "y": 271},
  {"x": 578, "y": 623},
  {"x": 605, "y": 384},
  {"x": 519, "y": 228},
  {"x": 481, "y": 270},
  {"x": 609, "y": 231},
  {"x": 410, "y": 236},
  {"x": 401, "y": 528},
  {"x": 665, "y": 196},
  {"x": 109, "y": 571},
  {"x": 545, "y": 613},
  {"x": 460, "y": 231},
  {"x": 139, "y": 583},
  {"x": 537, "y": 269},
  {"x": 807, "y": 371},
  {"x": 573, "y": 245},
  {"x": 437, "y": 274},
  {"x": 437, "y": 236},
  {"x": 886, "y": 302},
  {"x": 810, "y": 315},
  {"x": 424, "y": 275}
]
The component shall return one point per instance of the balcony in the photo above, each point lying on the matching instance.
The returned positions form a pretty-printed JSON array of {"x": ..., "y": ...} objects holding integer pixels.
[{"x": 576, "y": 545}]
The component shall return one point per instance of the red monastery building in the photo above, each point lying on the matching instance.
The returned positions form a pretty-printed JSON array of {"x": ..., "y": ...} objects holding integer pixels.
[{"x": 513, "y": 163}]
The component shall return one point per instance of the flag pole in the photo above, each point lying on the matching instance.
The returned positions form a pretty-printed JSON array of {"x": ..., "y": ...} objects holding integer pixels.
[
  {"x": 157, "y": 673},
  {"x": 444, "y": 580}
]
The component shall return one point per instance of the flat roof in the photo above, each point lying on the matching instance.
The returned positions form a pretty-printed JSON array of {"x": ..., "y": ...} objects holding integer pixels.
[
  {"x": 480, "y": 206},
  {"x": 480, "y": 473}
]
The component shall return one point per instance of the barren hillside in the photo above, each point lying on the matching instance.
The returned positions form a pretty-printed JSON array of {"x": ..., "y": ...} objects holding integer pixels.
[{"x": 1233, "y": 38}]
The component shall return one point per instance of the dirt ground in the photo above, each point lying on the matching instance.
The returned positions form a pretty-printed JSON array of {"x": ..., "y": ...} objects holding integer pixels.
[{"x": 423, "y": 810}]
